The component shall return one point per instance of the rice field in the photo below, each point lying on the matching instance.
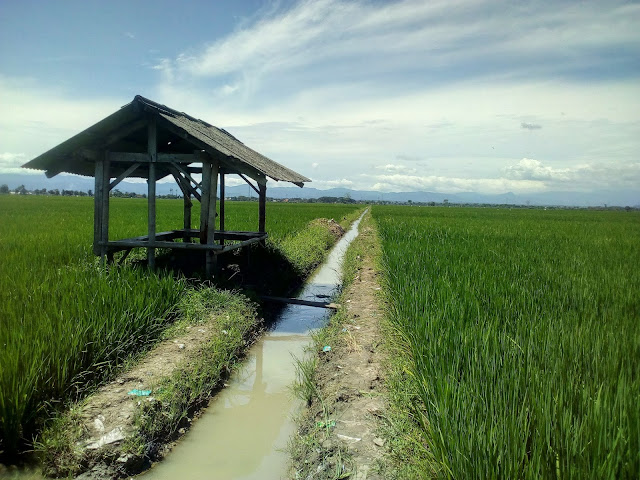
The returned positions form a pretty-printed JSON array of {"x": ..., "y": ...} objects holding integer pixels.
[
  {"x": 65, "y": 322},
  {"x": 524, "y": 333}
]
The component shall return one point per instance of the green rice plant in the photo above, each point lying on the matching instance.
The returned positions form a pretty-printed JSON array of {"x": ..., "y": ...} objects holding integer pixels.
[{"x": 524, "y": 337}]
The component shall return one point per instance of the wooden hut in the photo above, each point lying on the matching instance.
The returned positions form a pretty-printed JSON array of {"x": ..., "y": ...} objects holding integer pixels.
[{"x": 147, "y": 140}]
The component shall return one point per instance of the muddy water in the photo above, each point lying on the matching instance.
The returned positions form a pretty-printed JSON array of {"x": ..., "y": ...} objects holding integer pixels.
[{"x": 244, "y": 432}]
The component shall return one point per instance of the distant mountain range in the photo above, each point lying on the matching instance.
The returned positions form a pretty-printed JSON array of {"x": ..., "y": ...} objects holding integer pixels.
[{"x": 580, "y": 199}]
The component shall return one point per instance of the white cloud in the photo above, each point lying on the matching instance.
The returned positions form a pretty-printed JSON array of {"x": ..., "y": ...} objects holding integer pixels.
[
  {"x": 579, "y": 177},
  {"x": 324, "y": 184},
  {"x": 524, "y": 177},
  {"x": 434, "y": 183},
  {"x": 11, "y": 162},
  {"x": 37, "y": 117},
  {"x": 334, "y": 41}
]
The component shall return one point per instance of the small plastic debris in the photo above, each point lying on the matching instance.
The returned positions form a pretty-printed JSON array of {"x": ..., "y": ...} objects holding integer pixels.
[
  {"x": 326, "y": 348},
  {"x": 115, "y": 435},
  {"x": 125, "y": 458},
  {"x": 348, "y": 439},
  {"x": 201, "y": 330},
  {"x": 98, "y": 424},
  {"x": 224, "y": 331},
  {"x": 345, "y": 329},
  {"x": 181, "y": 346},
  {"x": 139, "y": 393}
]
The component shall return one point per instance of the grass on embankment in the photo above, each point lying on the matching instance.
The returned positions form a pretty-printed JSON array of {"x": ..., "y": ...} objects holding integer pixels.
[
  {"x": 311, "y": 455},
  {"x": 232, "y": 322},
  {"x": 522, "y": 338}
]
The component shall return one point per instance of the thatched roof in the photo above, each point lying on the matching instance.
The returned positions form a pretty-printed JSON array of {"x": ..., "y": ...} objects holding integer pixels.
[{"x": 178, "y": 133}]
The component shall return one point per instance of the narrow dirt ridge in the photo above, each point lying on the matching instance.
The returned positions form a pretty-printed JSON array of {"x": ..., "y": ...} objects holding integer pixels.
[{"x": 350, "y": 376}]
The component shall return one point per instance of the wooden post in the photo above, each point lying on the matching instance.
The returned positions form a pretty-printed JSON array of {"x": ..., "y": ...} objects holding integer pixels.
[
  {"x": 222, "y": 194},
  {"x": 152, "y": 150},
  {"x": 211, "y": 218},
  {"x": 262, "y": 200},
  {"x": 104, "y": 230},
  {"x": 204, "y": 200},
  {"x": 97, "y": 206},
  {"x": 187, "y": 215}
]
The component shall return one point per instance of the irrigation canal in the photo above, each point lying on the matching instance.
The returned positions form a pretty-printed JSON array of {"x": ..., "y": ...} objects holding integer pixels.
[{"x": 243, "y": 434}]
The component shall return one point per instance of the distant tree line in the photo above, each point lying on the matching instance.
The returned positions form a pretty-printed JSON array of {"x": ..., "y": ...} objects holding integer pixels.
[{"x": 22, "y": 190}]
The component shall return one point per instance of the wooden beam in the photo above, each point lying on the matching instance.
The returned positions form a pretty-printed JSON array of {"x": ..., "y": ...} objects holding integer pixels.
[
  {"x": 123, "y": 131},
  {"x": 188, "y": 175},
  {"x": 297, "y": 301},
  {"x": 145, "y": 158},
  {"x": 123, "y": 175},
  {"x": 262, "y": 208},
  {"x": 176, "y": 157},
  {"x": 116, "y": 245},
  {"x": 129, "y": 157},
  {"x": 248, "y": 182},
  {"x": 152, "y": 145},
  {"x": 243, "y": 243},
  {"x": 231, "y": 164},
  {"x": 184, "y": 183}
]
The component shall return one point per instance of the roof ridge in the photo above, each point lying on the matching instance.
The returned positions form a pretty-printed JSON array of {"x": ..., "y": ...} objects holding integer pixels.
[{"x": 169, "y": 110}]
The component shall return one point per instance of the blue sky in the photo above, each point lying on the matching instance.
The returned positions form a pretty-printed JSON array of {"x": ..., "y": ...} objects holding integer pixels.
[{"x": 445, "y": 96}]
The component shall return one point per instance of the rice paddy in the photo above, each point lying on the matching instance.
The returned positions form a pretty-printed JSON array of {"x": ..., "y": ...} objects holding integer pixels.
[
  {"x": 66, "y": 323},
  {"x": 524, "y": 338}
]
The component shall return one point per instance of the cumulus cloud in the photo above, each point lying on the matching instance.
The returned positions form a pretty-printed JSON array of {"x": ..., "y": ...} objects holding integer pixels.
[
  {"x": 340, "y": 182},
  {"x": 576, "y": 177},
  {"x": 436, "y": 183},
  {"x": 528, "y": 169},
  {"x": 8, "y": 159},
  {"x": 11, "y": 162}
]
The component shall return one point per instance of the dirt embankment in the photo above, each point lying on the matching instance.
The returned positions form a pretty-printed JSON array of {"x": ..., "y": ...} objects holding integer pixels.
[{"x": 338, "y": 434}]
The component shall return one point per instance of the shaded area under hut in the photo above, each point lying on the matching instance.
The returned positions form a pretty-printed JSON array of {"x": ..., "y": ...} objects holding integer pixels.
[{"x": 147, "y": 140}]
